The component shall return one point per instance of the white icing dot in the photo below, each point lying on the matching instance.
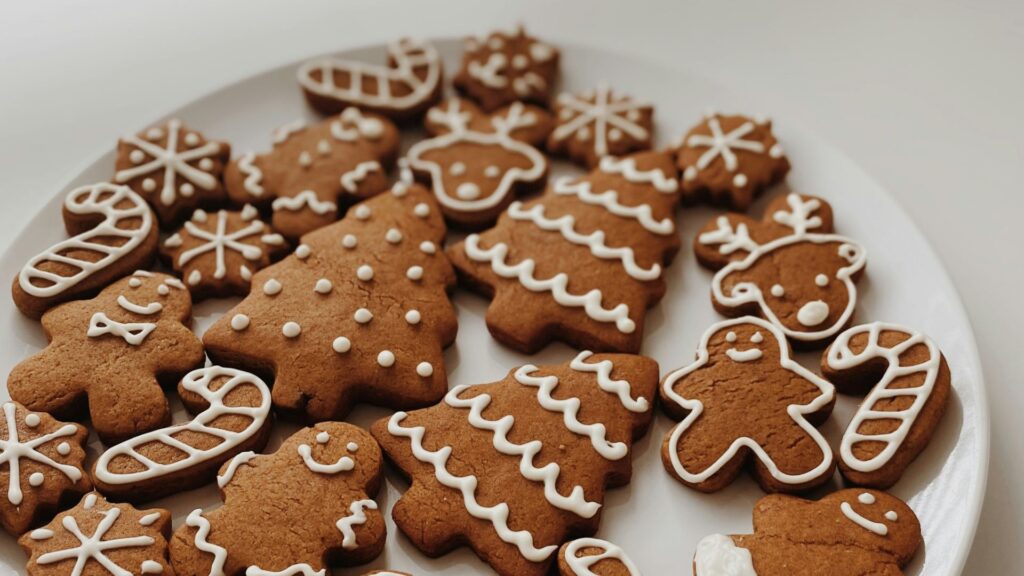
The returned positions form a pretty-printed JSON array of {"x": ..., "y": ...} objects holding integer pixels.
[
  {"x": 775, "y": 151},
  {"x": 428, "y": 247},
  {"x": 492, "y": 171},
  {"x": 739, "y": 180},
  {"x": 778, "y": 291},
  {"x": 468, "y": 191},
  {"x": 151, "y": 567},
  {"x": 363, "y": 316},
  {"x": 271, "y": 287},
  {"x": 352, "y": 446},
  {"x": 36, "y": 479},
  {"x": 892, "y": 516},
  {"x": 365, "y": 273},
  {"x": 323, "y": 286},
  {"x": 821, "y": 280},
  {"x": 244, "y": 272},
  {"x": 163, "y": 290},
  {"x": 400, "y": 189},
  {"x": 195, "y": 277},
  {"x": 187, "y": 189},
  {"x": 424, "y": 369},
  {"x": 457, "y": 169},
  {"x": 305, "y": 159},
  {"x": 155, "y": 134},
  {"x": 206, "y": 164},
  {"x": 323, "y": 147},
  {"x": 63, "y": 448},
  {"x": 303, "y": 251},
  {"x": 414, "y": 272},
  {"x": 583, "y": 134},
  {"x": 291, "y": 329},
  {"x": 137, "y": 156},
  {"x": 349, "y": 241},
  {"x": 520, "y": 62},
  {"x": 362, "y": 212},
  {"x": 191, "y": 139},
  {"x": 200, "y": 216},
  {"x": 149, "y": 184},
  {"x": 422, "y": 209},
  {"x": 239, "y": 322},
  {"x": 386, "y": 358},
  {"x": 135, "y": 282},
  {"x": 322, "y": 438},
  {"x": 757, "y": 338},
  {"x": 633, "y": 115},
  {"x": 495, "y": 43},
  {"x": 32, "y": 420},
  {"x": 393, "y": 236},
  {"x": 413, "y": 317},
  {"x": 730, "y": 337},
  {"x": 41, "y": 534},
  {"x": 866, "y": 498},
  {"x": 615, "y": 134},
  {"x": 690, "y": 174},
  {"x": 341, "y": 345}
]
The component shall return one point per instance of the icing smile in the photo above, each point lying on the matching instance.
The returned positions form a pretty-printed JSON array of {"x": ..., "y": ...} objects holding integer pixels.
[
  {"x": 870, "y": 525},
  {"x": 743, "y": 355}
]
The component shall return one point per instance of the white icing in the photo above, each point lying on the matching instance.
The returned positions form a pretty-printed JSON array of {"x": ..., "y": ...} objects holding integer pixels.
[
  {"x": 812, "y": 313},
  {"x": 490, "y": 72},
  {"x": 363, "y": 316},
  {"x": 151, "y": 567},
  {"x": 220, "y": 241},
  {"x": 364, "y": 272},
  {"x": 856, "y": 518},
  {"x": 413, "y": 317},
  {"x": 801, "y": 216},
  {"x": 352, "y": 125},
  {"x": 424, "y": 369},
  {"x": 723, "y": 145},
  {"x": 601, "y": 112},
  {"x": 356, "y": 517},
  {"x": 603, "y": 372},
  {"x": 201, "y": 541},
  {"x": 41, "y": 534},
  {"x": 240, "y": 459},
  {"x": 821, "y": 280},
  {"x": 891, "y": 516},
  {"x": 239, "y": 322},
  {"x": 306, "y": 199},
  {"x": 866, "y": 498},
  {"x": 362, "y": 212},
  {"x": 343, "y": 464},
  {"x": 341, "y": 345},
  {"x": 428, "y": 247},
  {"x": 323, "y": 286},
  {"x": 414, "y": 273},
  {"x": 149, "y": 519},
  {"x": 36, "y": 479},
  {"x": 393, "y": 236},
  {"x": 134, "y": 333},
  {"x": 609, "y": 200},
  {"x": 171, "y": 162},
  {"x": 626, "y": 167},
  {"x": 729, "y": 240},
  {"x": 350, "y": 180},
  {"x": 743, "y": 355},
  {"x": 386, "y": 358},
  {"x": 580, "y": 565},
  {"x": 272, "y": 287},
  {"x": 291, "y": 329},
  {"x": 718, "y": 555},
  {"x": 349, "y": 241},
  {"x": 93, "y": 548},
  {"x": 32, "y": 420},
  {"x": 422, "y": 210},
  {"x": 302, "y": 251},
  {"x": 253, "y": 183},
  {"x": 293, "y": 570}
]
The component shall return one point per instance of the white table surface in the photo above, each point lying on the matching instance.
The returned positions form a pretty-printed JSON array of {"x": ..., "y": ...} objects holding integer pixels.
[{"x": 927, "y": 96}]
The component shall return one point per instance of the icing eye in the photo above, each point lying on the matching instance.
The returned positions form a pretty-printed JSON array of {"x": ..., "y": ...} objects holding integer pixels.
[
  {"x": 778, "y": 291},
  {"x": 730, "y": 337},
  {"x": 891, "y": 516},
  {"x": 821, "y": 280},
  {"x": 757, "y": 338}
]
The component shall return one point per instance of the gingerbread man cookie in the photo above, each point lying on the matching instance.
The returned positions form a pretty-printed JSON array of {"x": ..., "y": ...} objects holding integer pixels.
[
  {"x": 112, "y": 352},
  {"x": 745, "y": 398},
  {"x": 113, "y": 232},
  {"x": 594, "y": 557},
  {"x": 789, "y": 268},
  {"x": 312, "y": 171},
  {"x": 296, "y": 511},
  {"x": 729, "y": 160},
  {"x": 507, "y": 67},
  {"x": 176, "y": 169},
  {"x": 600, "y": 123},
  {"x": 477, "y": 163},
  {"x": 408, "y": 85},
  {"x": 852, "y": 532},
  {"x": 359, "y": 313},
  {"x": 217, "y": 253},
  {"x": 550, "y": 440},
  {"x": 43, "y": 466},
  {"x": 908, "y": 386},
  {"x": 583, "y": 262},
  {"x": 98, "y": 538}
]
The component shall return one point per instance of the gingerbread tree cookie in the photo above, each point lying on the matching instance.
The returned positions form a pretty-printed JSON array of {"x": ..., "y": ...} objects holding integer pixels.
[
  {"x": 359, "y": 313},
  {"x": 908, "y": 386},
  {"x": 113, "y": 232},
  {"x": 176, "y": 169},
  {"x": 296, "y": 511},
  {"x": 852, "y": 532},
  {"x": 507, "y": 67},
  {"x": 514, "y": 468},
  {"x": 729, "y": 160},
  {"x": 312, "y": 170},
  {"x": 594, "y": 557},
  {"x": 788, "y": 268},
  {"x": 217, "y": 253},
  {"x": 745, "y": 398},
  {"x": 41, "y": 465},
  {"x": 408, "y": 85},
  {"x": 583, "y": 262},
  {"x": 477, "y": 163},
  {"x": 600, "y": 123},
  {"x": 112, "y": 352},
  {"x": 97, "y": 538}
]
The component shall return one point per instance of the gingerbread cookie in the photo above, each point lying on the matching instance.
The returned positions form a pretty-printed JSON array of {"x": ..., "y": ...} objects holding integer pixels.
[
  {"x": 907, "y": 382},
  {"x": 113, "y": 232},
  {"x": 96, "y": 538},
  {"x": 851, "y": 532},
  {"x": 477, "y": 163},
  {"x": 729, "y": 160},
  {"x": 583, "y": 262},
  {"x": 174, "y": 168},
  {"x": 313, "y": 170},
  {"x": 408, "y": 85},
  {"x": 507, "y": 67},
  {"x": 745, "y": 398},
  {"x": 594, "y": 557},
  {"x": 788, "y": 268},
  {"x": 112, "y": 352},
  {"x": 599, "y": 123},
  {"x": 550, "y": 440},
  {"x": 217, "y": 253},
  {"x": 359, "y": 313},
  {"x": 296, "y": 511},
  {"x": 233, "y": 417},
  {"x": 42, "y": 460}
]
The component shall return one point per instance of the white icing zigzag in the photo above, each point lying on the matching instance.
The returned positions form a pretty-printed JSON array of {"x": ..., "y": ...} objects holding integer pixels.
[
  {"x": 627, "y": 168},
  {"x": 201, "y": 541},
  {"x": 306, "y": 198},
  {"x": 350, "y": 180},
  {"x": 620, "y": 388},
  {"x": 356, "y": 517},
  {"x": 609, "y": 200}
]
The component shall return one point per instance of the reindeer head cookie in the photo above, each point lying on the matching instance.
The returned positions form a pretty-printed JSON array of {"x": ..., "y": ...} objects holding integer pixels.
[
  {"x": 507, "y": 67},
  {"x": 297, "y": 511},
  {"x": 312, "y": 170},
  {"x": 847, "y": 533},
  {"x": 112, "y": 353},
  {"x": 746, "y": 398},
  {"x": 788, "y": 268},
  {"x": 477, "y": 162}
]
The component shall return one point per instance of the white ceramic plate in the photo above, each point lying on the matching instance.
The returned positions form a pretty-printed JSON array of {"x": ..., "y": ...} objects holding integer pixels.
[{"x": 655, "y": 519}]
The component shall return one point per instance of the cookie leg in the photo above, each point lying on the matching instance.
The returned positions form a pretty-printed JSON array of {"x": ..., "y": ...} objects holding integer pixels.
[
  {"x": 702, "y": 456},
  {"x": 130, "y": 406},
  {"x": 802, "y": 460}
]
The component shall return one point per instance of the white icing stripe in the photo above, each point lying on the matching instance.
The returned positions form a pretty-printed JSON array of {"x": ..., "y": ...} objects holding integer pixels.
[
  {"x": 281, "y": 134},
  {"x": 201, "y": 541},
  {"x": 591, "y": 302},
  {"x": 293, "y": 570},
  {"x": 98, "y": 199},
  {"x": 565, "y": 225},
  {"x": 13, "y": 449},
  {"x": 718, "y": 555},
  {"x": 796, "y": 411},
  {"x": 856, "y": 518},
  {"x": 134, "y": 333},
  {"x": 171, "y": 162},
  {"x": 253, "y": 183},
  {"x": 602, "y": 113},
  {"x": 497, "y": 515},
  {"x": 576, "y": 502},
  {"x": 350, "y": 180},
  {"x": 304, "y": 199},
  {"x": 356, "y": 517},
  {"x": 729, "y": 240},
  {"x": 239, "y": 459},
  {"x": 198, "y": 382},
  {"x": 93, "y": 547},
  {"x": 891, "y": 385},
  {"x": 626, "y": 167},
  {"x": 580, "y": 565},
  {"x": 147, "y": 310},
  {"x": 620, "y": 388},
  {"x": 609, "y": 200},
  {"x": 343, "y": 464}
]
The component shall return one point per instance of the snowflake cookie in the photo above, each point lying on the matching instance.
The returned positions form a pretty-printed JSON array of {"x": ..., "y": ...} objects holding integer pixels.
[
  {"x": 217, "y": 253},
  {"x": 98, "y": 538},
  {"x": 729, "y": 160},
  {"x": 477, "y": 163},
  {"x": 295, "y": 512},
  {"x": 408, "y": 85},
  {"x": 176, "y": 169},
  {"x": 507, "y": 67},
  {"x": 111, "y": 353},
  {"x": 593, "y": 557},
  {"x": 600, "y": 123},
  {"x": 312, "y": 171},
  {"x": 515, "y": 468},
  {"x": 113, "y": 232},
  {"x": 358, "y": 313},
  {"x": 43, "y": 459}
]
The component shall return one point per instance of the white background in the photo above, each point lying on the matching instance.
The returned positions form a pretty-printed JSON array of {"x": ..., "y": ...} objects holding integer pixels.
[{"x": 927, "y": 96}]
